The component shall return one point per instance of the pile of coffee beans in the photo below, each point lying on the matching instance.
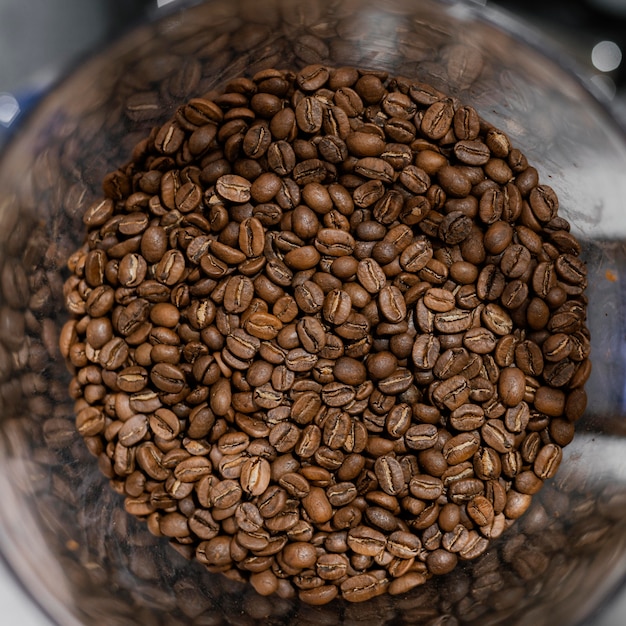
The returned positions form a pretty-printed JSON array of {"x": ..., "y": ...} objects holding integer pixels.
[{"x": 328, "y": 332}]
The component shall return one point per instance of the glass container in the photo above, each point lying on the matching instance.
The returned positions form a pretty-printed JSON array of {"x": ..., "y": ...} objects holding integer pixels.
[{"x": 64, "y": 532}]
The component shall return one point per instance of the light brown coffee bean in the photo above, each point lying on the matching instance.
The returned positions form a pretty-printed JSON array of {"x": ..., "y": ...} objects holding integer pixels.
[
  {"x": 350, "y": 371},
  {"x": 233, "y": 188},
  {"x": 370, "y": 275},
  {"x": 548, "y": 461},
  {"x": 421, "y": 436},
  {"x": 496, "y": 435},
  {"x": 415, "y": 256},
  {"x": 461, "y": 448},
  {"x": 472, "y": 152},
  {"x": 453, "y": 321},
  {"x": 439, "y": 300},
  {"x": 317, "y": 506},
  {"x": 487, "y": 464},
  {"x": 479, "y": 340},
  {"x": 392, "y": 304},
  {"x": 437, "y": 119},
  {"x": 441, "y": 561},
  {"x": 164, "y": 424},
  {"x": 221, "y": 397},
  {"x": 512, "y": 385},
  {"x": 238, "y": 294},
  {"x": 426, "y": 351},
  {"x": 366, "y": 541},
  {"x": 452, "y": 393},
  {"x": 426, "y": 487},
  {"x": 390, "y": 475}
]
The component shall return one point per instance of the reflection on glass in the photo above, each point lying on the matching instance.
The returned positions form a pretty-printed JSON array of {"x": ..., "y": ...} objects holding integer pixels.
[{"x": 9, "y": 109}]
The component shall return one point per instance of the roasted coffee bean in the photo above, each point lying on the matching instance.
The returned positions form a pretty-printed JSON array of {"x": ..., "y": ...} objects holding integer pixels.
[
  {"x": 421, "y": 436},
  {"x": 439, "y": 300},
  {"x": 415, "y": 256},
  {"x": 441, "y": 561},
  {"x": 496, "y": 435},
  {"x": 425, "y": 352},
  {"x": 255, "y": 476},
  {"x": 366, "y": 541},
  {"x": 330, "y": 331},
  {"x": 512, "y": 385},
  {"x": 461, "y": 447},
  {"x": 371, "y": 275},
  {"x": 479, "y": 340},
  {"x": 392, "y": 304},
  {"x": 426, "y": 487},
  {"x": 437, "y": 119},
  {"x": 233, "y": 188},
  {"x": 390, "y": 475},
  {"x": 472, "y": 152},
  {"x": 317, "y": 506},
  {"x": 529, "y": 358},
  {"x": 170, "y": 268},
  {"x": 350, "y": 371}
]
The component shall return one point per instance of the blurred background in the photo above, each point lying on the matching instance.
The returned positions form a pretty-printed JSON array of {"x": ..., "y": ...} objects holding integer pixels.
[
  {"x": 589, "y": 36},
  {"x": 589, "y": 33}
]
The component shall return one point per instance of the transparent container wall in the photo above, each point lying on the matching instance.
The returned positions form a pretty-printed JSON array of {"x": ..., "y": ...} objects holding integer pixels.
[{"x": 64, "y": 531}]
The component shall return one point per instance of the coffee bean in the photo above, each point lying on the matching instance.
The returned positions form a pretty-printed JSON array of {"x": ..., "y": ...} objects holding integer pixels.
[
  {"x": 437, "y": 119},
  {"x": 461, "y": 447},
  {"x": 439, "y": 300},
  {"x": 350, "y": 371},
  {"x": 479, "y": 340},
  {"x": 317, "y": 506},
  {"x": 426, "y": 350},
  {"x": 390, "y": 475},
  {"x": 496, "y": 435},
  {"x": 337, "y": 394},
  {"x": 167, "y": 377},
  {"x": 544, "y": 202},
  {"x": 361, "y": 382},
  {"x": 453, "y": 321},
  {"x": 415, "y": 256},
  {"x": 426, "y": 487},
  {"x": 512, "y": 385},
  {"x": 441, "y": 561},
  {"x": 366, "y": 541},
  {"x": 370, "y": 275},
  {"x": 547, "y": 461},
  {"x": 472, "y": 152},
  {"x": 255, "y": 476},
  {"x": 392, "y": 304},
  {"x": 571, "y": 269},
  {"x": 421, "y": 436}
]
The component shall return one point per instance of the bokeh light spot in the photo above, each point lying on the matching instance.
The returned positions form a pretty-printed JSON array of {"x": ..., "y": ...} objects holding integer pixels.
[{"x": 606, "y": 56}]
